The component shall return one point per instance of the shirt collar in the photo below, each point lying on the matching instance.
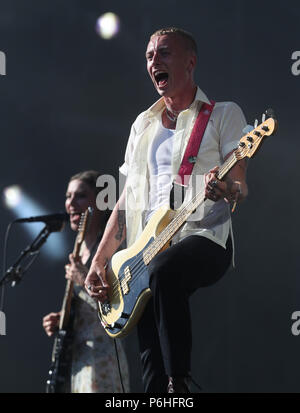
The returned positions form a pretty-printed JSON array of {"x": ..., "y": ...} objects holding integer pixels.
[
  {"x": 159, "y": 105},
  {"x": 201, "y": 96}
]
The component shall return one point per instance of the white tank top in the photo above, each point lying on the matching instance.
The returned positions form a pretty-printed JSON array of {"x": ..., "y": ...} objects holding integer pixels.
[{"x": 160, "y": 168}]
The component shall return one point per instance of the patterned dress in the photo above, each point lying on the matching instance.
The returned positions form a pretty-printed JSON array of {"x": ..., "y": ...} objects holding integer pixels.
[{"x": 94, "y": 364}]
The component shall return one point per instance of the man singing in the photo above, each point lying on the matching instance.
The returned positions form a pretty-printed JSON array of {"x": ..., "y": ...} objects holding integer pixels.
[{"x": 201, "y": 251}]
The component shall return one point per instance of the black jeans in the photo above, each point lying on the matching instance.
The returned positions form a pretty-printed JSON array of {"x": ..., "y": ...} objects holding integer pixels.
[{"x": 164, "y": 331}]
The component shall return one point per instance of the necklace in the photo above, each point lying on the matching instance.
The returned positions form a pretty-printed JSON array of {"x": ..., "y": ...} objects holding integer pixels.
[{"x": 171, "y": 116}]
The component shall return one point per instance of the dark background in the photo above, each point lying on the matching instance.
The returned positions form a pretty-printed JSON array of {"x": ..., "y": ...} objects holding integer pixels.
[{"x": 66, "y": 105}]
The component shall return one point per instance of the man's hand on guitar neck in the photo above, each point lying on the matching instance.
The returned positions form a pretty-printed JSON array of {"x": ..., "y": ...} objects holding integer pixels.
[{"x": 233, "y": 189}]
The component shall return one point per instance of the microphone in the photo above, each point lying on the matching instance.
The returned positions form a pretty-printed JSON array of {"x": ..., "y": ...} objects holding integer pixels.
[{"x": 48, "y": 219}]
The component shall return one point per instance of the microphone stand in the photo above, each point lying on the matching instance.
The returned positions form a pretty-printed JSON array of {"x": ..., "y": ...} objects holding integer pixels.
[{"x": 15, "y": 273}]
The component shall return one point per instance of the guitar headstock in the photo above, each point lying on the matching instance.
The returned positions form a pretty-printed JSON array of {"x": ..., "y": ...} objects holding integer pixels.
[
  {"x": 250, "y": 142},
  {"x": 83, "y": 224}
]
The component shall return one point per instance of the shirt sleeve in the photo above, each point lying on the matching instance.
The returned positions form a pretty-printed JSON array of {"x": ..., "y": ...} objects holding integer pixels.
[
  {"x": 136, "y": 129},
  {"x": 124, "y": 169},
  {"x": 231, "y": 126},
  {"x": 128, "y": 153}
]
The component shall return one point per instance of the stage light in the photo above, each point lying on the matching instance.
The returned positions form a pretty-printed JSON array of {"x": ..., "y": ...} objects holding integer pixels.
[
  {"x": 108, "y": 25},
  {"x": 12, "y": 196},
  {"x": 22, "y": 205}
]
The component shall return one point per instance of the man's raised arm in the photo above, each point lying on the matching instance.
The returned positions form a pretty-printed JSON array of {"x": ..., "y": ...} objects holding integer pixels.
[{"x": 114, "y": 234}]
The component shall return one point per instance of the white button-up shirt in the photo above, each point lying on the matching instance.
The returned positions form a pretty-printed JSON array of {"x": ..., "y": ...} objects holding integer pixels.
[{"x": 224, "y": 129}]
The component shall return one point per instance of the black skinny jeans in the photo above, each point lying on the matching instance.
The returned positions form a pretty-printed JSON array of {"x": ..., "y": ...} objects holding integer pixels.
[{"x": 164, "y": 331}]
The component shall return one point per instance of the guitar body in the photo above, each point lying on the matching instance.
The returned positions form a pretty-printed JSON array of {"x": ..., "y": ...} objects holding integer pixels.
[
  {"x": 60, "y": 371},
  {"x": 127, "y": 274}
]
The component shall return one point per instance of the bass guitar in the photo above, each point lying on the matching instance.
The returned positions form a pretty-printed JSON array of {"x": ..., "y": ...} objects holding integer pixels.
[
  {"x": 127, "y": 272},
  {"x": 61, "y": 354}
]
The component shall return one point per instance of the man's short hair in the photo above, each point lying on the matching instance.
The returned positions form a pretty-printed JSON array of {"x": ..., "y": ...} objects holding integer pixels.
[{"x": 186, "y": 36}]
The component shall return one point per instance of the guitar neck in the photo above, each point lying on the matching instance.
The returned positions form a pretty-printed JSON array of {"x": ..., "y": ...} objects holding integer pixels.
[
  {"x": 66, "y": 306},
  {"x": 227, "y": 165},
  {"x": 167, "y": 234}
]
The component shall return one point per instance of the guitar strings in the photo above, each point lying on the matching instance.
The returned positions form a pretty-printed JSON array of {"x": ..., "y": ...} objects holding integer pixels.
[
  {"x": 160, "y": 241},
  {"x": 167, "y": 233}
]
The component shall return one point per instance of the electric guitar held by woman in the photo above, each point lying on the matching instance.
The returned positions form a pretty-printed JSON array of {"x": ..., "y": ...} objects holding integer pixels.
[{"x": 61, "y": 353}]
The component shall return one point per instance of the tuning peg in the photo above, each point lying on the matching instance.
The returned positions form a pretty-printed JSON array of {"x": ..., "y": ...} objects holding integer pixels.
[
  {"x": 263, "y": 118},
  {"x": 255, "y": 123}
]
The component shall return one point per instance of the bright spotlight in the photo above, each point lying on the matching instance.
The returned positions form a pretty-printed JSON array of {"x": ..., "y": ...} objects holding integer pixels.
[
  {"x": 108, "y": 25},
  {"x": 12, "y": 196},
  {"x": 21, "y": 205}
]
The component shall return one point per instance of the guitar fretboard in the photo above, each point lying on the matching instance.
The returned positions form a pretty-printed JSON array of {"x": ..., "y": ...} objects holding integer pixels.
[{"x": 66, "y": 306}]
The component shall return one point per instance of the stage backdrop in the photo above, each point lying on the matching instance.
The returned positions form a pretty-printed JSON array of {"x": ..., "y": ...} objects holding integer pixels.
[{"x": 67, "y": 100}]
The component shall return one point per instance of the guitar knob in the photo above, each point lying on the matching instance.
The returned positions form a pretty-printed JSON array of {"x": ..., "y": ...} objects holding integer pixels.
[
  {"x": 249, "y": 139},
  {"x": 265, "y": 128},
  {"x": 257, "y": 133},
  {"x": 242, "y": 144}
]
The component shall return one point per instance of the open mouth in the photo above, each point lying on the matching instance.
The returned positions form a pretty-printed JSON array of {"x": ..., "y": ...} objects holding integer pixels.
[
  {"x": 75, "y": 216},
  {"x": 161, "y": 79}
]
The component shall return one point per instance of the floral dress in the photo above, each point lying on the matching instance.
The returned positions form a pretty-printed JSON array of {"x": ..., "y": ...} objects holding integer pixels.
[{"x": 94, "y": 361}]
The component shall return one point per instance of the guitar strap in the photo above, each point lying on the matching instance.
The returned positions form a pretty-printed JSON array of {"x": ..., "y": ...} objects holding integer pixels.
[
  {"x": 190, "y": 156},
  {"x": 192, "y": 149}
]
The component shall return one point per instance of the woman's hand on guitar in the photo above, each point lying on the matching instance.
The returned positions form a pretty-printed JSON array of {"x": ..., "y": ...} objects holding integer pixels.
[
  {"x": 50, "y": 323},
  {"x": 95, "y": 282},
  {"x": 76, "y": 271}
]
